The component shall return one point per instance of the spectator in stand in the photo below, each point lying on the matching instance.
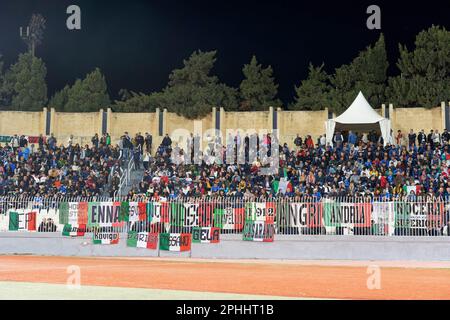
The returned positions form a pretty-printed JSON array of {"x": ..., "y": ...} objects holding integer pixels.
[
  {"x": 352, "y": 139},
  {"x": 70, "y": 140},
  {"x": 95, "y": 141},
  {"x": 55, "y": 171},
  {"x": 421, "y": 137},
  {"x": 166, "y": 142},
  {"x": 23, "y": 141},
  {"x": 412, "y": 138},
  {"x": 338, "y": 139},
  {"x": 399, "y": 138},
  {"x": 430, "y": 138},
  {"x": 148, "y": 142},
  {"x": 52, "y": 142},
  {"x": 323, "y": 140},
  {"x": 140, "y": 141},
  {"x": 15, "y": 142},
  {"x": 445, "y": 136},
  {"x": 127, "y": 146},
  {"x": 298, "y": 141},
  {"x": 41, "y": 142},
  {"x": 436, "y": 138}
]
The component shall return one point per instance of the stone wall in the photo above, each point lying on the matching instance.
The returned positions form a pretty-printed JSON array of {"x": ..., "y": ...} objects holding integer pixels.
[{"x": 84, "y": 125}]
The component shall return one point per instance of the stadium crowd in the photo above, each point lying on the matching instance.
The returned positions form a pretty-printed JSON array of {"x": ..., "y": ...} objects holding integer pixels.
[
  {"x": 413, "y": 164},
  {"x": 48, "y": 169},
  {"x": 410, "y": 164}
]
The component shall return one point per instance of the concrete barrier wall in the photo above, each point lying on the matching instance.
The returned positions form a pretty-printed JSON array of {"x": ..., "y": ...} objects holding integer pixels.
[
  {"x": 232, "y": 247},
  {"x": 84, "y": 125},
  {"x": 15, "y": 122}
]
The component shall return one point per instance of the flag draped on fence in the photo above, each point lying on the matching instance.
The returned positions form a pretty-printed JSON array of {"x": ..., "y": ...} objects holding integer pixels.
[
  {"x": 347, "y": 218},
  {"x": 259, "y": 222},
  {"x": 229, "y": 218},
  {"x": 142, "y": 240},
  {"x": 75, "y": 217},
  {"x": 21, "y": 220},
  {"x": 175, "y": 242},
  {"x": 205, "y": 235}
]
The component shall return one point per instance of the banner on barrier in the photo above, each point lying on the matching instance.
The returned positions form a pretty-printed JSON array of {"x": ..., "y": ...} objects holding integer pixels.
[
  {"x": 229, "y": 218},
  {"x": 259, "y": 231},
  {"x": 346, "y": 217},
  {"x": 22, "y": 220},
  {"x": 302, "y": 216},
  {"x": 261, "y": 211},
  {"x": 158, "y": 212},
  {"x": 175, "y": 242},
  {"x": 205, "y": 235},
  {"x": 142, "y": 240},
  {"x": 105, "y": 236}
]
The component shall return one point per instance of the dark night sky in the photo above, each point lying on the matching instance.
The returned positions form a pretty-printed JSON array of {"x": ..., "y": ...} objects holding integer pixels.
[{"x": 137, "y": 43}]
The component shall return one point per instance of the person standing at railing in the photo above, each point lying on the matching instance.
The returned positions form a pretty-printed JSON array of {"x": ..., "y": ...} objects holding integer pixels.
[
  {"x": 148, "y": 142},
  {"x": 146, "y": 159},
  {"x": 126, "y": 146},
  {"x": 137, "y": 156},
  {"x": 140, "y": 141},
  {"x": 95, "y": 141}
]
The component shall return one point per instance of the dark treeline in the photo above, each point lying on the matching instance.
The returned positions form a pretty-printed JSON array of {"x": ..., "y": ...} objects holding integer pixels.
[{"x": 423, "y": 80}]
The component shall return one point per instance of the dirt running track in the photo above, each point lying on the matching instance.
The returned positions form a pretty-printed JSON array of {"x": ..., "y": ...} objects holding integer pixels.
[{"x": 275, "y": 279}]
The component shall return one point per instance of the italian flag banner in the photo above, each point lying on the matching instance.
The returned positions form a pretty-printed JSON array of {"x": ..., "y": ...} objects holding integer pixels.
[
  {"x": 92, "y": 210},
  {"x": 158, "y": 212},
  {"x": 348, "y": 217},
  {"x": 184, "y": 214},
  {"x": 142, "y": 211},
  {"x": 177, "y": 242},
  {"x": 124, "y": 211},
  {"x": 261, "y": 211},
  {"x": 383, "y": 218},
  {"x": 142, "y": 240},
  {"x": 301, "y": 215},
  {"x": 105, "y": 236},
  {"x": 205, "y": 235},
  {"x": 76, "y": 220},
  {"x": 21, "y": 220},
  {"x": 63, "y": 212},
  {"x": 104, "y": 217},
  {"x": 436, "y": 214},
  {"x": 74, "y": 231},
  {"x": 259, "y": 231},
  {"x": 137, "y": 211},
  {"x": 133, "y": 211},
  {"x": 418, "y": 218},
  {"x": 229, "y": 218}
]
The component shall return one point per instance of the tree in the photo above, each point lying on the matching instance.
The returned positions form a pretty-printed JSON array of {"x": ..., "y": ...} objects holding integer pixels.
[
  {"x": 258, "y": 89},
  {"x": 425, "y": 72},
  {"x": 25, "y": 81},
  {"x": 139, "y": 102},
  {"x": 60, "y": 99},
  {"x": 5, "y": 97},
  {"x": 366, "y": 73},
  {"x": 314, "y": 92},
  {"x": 89, "y": 94},
  {"x": 192, "y": 90}
]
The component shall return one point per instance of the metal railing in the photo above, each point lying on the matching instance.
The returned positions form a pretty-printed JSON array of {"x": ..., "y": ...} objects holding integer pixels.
[
  {"x": 125, "y": 177},
  {"x": 418, "y": 216}
]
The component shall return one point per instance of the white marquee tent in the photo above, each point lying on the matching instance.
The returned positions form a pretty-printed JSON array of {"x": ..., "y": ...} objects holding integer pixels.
[{"x": 359, "y": 117}]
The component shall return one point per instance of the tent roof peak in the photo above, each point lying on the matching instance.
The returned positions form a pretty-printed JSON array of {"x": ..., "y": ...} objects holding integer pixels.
[{"x": 359, "y": 112}]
